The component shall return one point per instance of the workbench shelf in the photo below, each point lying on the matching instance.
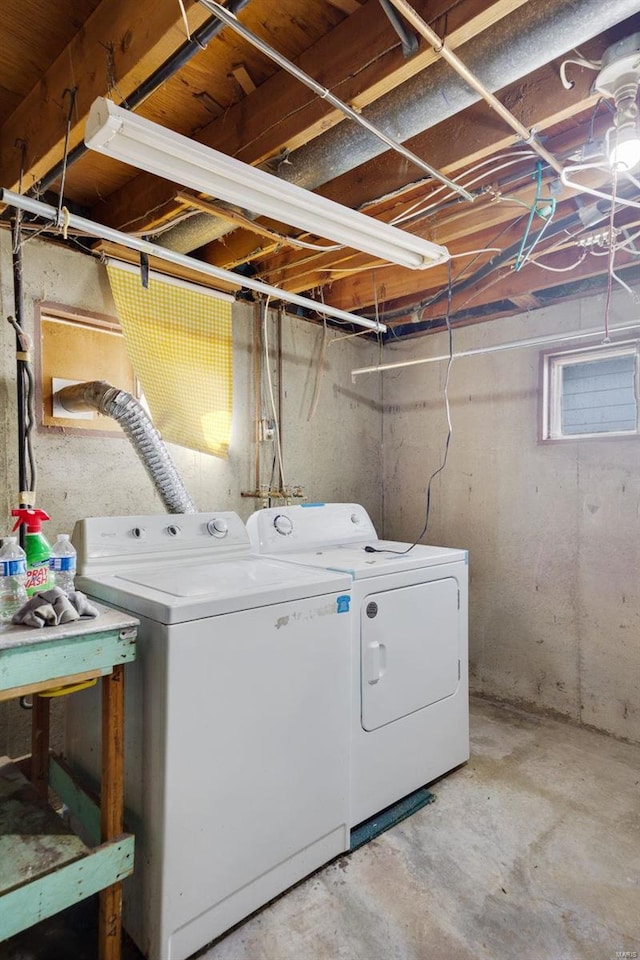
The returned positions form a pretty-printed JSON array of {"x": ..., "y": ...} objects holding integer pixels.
[{"x": 44, "y": 866}]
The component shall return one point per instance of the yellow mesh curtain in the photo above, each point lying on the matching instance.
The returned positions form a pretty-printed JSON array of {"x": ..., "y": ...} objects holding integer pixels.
[{"x": 179, "y": 343}]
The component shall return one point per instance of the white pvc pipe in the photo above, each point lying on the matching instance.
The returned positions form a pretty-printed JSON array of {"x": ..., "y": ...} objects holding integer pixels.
[
  {"x": 38, "y": 209},
  {"x": 513, "y": 345}
]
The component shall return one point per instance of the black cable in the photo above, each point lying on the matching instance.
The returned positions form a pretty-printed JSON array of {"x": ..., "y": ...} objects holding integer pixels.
[
  {"x": 186, "y": 52},
  {"x": 402, "y": 553}
]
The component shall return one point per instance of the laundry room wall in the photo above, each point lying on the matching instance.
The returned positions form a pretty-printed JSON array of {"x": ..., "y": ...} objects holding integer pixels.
[
  {"x": 334, "y": 455},
  {"x": 553, "y": 530}
]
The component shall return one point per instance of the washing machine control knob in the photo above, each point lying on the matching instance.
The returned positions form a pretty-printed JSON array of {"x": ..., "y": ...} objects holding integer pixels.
[
  {"x": 218, "y": 527},
  {"x": 283, "y": 525},
  {"x": 355, "y": 518},
  {"x": 139, "y": 533}
]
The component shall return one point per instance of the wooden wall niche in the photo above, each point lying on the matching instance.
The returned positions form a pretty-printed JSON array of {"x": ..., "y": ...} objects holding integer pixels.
[{"x": 77, "y": 345}]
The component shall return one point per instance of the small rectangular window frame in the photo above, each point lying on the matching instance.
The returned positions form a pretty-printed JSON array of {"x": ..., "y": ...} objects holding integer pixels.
[{"x": 550, "y": 409}]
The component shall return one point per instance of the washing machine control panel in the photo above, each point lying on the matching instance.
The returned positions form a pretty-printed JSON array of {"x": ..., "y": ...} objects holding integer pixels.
[{"x": 108, "y": 544}]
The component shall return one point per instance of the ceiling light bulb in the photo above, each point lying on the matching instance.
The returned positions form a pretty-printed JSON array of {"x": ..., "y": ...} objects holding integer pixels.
[{"x": 624, "y": 148}]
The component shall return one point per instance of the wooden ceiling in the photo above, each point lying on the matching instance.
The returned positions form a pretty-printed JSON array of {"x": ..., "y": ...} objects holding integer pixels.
[{"x": 230, "y": 96}]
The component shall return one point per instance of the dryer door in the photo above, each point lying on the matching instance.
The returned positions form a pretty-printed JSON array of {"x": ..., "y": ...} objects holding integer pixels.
[{"x": 409, "y": 650}]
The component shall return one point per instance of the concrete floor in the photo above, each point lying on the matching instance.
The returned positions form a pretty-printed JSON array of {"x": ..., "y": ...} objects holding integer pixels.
[{"x": 531, "y": 851}]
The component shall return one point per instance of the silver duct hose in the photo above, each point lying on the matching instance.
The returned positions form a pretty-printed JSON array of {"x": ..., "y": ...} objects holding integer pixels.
[{"x": 147, "y": 442}]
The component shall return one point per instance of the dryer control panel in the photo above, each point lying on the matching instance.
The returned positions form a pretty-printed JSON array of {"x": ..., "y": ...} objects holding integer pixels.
[{"x": 303, "y": 526}]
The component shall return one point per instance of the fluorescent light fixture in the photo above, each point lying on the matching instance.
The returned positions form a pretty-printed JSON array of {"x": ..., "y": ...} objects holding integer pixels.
[{"x": 120, "y": 134}]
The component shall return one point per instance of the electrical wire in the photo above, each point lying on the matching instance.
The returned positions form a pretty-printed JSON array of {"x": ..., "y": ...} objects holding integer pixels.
[
  {"x": 519, "y": 258},
  {"x": 612, "y": 253},
  {"x": 26, "y": 346},
  {"x": 416, "y": 210},
  {"x": 72, "y": 101},
  {"x": 320, "y": 372},
  {"x": 443, "y": 463},
  {"x": 276, "y": 419},
  {"x": 545, "y": 266}
]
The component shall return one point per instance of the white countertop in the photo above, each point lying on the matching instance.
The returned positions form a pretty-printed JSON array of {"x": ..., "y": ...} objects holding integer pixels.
[{"x": 12, "y": 635}]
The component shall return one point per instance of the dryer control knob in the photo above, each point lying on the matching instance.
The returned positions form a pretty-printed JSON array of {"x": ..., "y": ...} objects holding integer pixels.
[
  {"x": 283, "y": 525},
  {"x": 138, "y": 532},
  {"x": 355, "y": 518},
  {"x": 218, "y": 527}
]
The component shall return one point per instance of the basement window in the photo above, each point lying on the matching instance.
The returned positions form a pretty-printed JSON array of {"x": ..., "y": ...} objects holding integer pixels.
[{"x": 591, "y": 392}]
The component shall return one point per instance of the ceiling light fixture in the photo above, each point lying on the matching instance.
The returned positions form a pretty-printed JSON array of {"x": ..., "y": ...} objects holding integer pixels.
[
  {"x": 117, "y": 133},
  {"x": 618, "y": 78}
]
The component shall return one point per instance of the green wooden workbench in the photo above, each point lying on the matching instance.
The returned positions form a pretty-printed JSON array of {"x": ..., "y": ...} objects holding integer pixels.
[{"x": 44, "y": 866}]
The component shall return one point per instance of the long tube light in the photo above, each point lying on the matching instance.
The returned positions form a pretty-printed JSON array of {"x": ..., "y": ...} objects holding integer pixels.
[
  {"x": 92, "y": 229},
  {"x": 117, "y": 133}
]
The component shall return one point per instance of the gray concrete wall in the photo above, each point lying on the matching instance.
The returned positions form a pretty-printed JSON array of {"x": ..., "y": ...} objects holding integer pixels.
[
  {"x": 335, "y": 455},
  {"x": 553, "y": 530}
]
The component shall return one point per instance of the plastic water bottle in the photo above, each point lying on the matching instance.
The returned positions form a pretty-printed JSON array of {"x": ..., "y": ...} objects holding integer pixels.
[
  {"x": 13, "y": 578},
  {"x": 62, "y": 563}
]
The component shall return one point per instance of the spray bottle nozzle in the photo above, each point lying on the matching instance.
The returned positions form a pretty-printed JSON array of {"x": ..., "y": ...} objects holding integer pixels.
[{"x": 31, "y": 518}]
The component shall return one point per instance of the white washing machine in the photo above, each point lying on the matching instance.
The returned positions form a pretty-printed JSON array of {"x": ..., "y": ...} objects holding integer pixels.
[
  {"x": 237, "y": 711},
  {"x": 410, "y": 705}
]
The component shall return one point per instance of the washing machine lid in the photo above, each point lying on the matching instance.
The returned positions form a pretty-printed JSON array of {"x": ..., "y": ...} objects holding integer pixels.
[
  {"x": 171, "y": 594},
  {"x": 352, "y": 558}
]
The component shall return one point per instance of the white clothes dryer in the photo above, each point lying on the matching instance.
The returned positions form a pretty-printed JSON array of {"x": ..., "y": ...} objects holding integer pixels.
[
  {"x": 410, "y": 710},
  {"x": 236, "y": 720}
]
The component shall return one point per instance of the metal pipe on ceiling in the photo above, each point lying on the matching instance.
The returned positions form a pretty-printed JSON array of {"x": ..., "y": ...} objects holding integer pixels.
[
  {"x": 441, "y": 48},
  {"x": 515, "y": 47},
  {"x": 325, "y": 94}
]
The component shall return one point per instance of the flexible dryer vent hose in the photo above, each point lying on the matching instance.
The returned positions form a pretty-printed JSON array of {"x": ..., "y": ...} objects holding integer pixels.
[{"x": 147, "y": 442}]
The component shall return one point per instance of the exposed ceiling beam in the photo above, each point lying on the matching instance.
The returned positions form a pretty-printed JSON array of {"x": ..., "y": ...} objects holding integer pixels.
[
  {"x": 521, "y": 288},
  {"x": 475, "y": 134},
  {"x": 118, "y": 47},
  {"x": 360, "y": 60},
  {"x": 473, "y": 224}
]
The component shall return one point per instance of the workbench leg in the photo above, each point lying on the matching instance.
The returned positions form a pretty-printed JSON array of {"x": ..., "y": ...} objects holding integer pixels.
[
  {"x": 112, "y": 807},
  {"x": 40, "y": 745}
]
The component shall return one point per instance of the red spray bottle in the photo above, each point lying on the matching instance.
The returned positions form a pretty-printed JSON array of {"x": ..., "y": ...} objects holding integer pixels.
[{"x": 36, "y": 547}]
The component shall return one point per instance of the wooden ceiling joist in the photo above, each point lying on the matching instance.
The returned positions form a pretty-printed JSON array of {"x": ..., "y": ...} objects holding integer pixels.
[
  {"x": 360, "y": 60},
  {"x": 118, "y": 47}
]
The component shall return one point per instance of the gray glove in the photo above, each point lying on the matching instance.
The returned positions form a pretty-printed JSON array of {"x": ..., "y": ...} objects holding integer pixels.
[{"x": 51, "y": 607}]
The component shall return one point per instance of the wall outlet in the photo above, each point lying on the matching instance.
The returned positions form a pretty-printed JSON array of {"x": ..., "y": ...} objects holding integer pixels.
[{"x": 266, "y": 429}]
